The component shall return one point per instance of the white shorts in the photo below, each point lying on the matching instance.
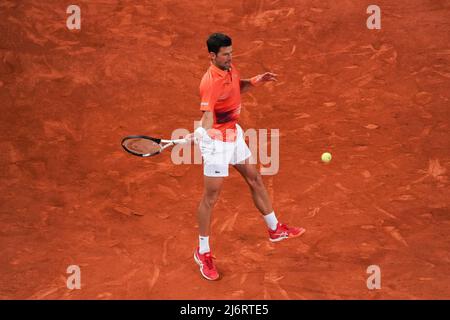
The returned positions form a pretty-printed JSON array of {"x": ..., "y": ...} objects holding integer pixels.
[{"x": 217, "y": 155}]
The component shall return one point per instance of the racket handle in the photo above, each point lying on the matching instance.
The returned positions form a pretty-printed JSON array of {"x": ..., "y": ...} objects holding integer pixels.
[{"x": 179, "y": 141}]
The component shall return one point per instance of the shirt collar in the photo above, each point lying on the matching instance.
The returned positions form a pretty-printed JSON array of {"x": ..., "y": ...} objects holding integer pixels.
[{"x": 219, "y": 71}]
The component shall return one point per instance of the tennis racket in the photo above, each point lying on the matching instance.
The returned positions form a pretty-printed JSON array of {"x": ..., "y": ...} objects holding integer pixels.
[{"x": 144, "y": 146}]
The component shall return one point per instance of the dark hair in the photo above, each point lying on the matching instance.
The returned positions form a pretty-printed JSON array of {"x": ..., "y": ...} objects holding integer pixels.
[{"x": 216, "y": 41}]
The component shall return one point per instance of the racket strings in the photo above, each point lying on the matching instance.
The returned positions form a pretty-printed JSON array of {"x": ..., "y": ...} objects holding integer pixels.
[{"x": 142, "y": 146}]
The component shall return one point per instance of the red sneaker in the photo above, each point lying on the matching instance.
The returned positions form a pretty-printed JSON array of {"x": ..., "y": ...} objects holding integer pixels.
[
  {"x": 207, "y": 268},
  {"x": 283, "y": 231}
]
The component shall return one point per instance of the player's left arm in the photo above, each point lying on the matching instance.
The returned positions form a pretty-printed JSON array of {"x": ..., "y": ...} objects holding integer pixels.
[{"x": 246, "y": 84}]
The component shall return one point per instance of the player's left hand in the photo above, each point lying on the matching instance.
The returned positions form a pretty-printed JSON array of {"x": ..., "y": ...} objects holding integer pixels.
[
  {"x": 260, "y": 79},
  {"x": 268, "y": 76}
]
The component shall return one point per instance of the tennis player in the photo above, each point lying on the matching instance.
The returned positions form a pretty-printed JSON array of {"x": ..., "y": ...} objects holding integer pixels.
[{"x": 221, "y": 142}]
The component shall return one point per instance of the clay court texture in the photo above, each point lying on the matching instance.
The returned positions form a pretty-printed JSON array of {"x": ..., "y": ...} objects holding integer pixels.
[{"x": 377, "y": 100}]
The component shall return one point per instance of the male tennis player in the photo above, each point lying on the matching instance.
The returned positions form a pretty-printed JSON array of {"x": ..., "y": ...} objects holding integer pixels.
[{"x": 222, "y": 143}]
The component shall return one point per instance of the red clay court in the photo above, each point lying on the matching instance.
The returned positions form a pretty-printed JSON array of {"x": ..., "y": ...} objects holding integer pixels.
[{"x": 378, "y": 100}]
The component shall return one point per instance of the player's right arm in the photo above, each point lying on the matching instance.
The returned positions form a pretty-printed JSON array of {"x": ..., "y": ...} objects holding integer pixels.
[
  {"x": 209, "y": 91},
  {"x": 207, "y": 120},
  {"x": 206, "y": 123}
]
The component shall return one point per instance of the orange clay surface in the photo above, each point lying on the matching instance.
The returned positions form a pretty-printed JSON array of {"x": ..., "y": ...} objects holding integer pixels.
[{"x": 378, "y": 100}]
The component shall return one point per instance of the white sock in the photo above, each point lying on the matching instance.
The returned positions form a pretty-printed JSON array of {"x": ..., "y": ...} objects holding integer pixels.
[
  {"x": 271, "y": 220},
  {"x": 204, "y": 244}
]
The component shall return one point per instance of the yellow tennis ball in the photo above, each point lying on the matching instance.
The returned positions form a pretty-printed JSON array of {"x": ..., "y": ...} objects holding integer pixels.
[{"x": 326, "y": 157}]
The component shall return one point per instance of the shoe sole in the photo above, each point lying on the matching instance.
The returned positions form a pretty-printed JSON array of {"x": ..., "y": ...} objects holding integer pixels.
[
  {"x": 201, "y": 271},
  {"x": 287, "y": 237}
]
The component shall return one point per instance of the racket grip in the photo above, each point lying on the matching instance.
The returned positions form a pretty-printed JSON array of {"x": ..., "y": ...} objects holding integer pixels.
[{"x": 179, "y": 141}]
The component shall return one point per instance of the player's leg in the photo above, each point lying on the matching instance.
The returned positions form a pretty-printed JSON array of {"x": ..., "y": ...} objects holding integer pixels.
[
  {"x": 244, "y": 163},
  {"x": 211, "y": 191},
  {"x": 202, "y": 255},
  {"x": 254, "y": 180},
  {"x": 246, "y": 166},
  {"x": 215, "y": 168},
  {"x": 277, "y": 231}
]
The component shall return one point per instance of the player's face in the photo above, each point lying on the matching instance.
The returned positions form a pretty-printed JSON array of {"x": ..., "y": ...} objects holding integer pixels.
[{"x": 223, "y": 58}]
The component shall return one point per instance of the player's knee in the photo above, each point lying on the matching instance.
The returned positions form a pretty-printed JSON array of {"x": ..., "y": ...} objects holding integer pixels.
[
  {"x": 210, "y": 198},
  {"x": 255, "y": 182}
]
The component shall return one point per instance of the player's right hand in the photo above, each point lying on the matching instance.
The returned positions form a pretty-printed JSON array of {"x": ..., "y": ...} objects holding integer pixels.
[{"x": 199, "y": 134}]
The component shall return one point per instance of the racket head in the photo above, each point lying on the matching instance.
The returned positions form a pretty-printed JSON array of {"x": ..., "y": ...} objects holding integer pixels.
[{"x": 142, "y": 146}]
